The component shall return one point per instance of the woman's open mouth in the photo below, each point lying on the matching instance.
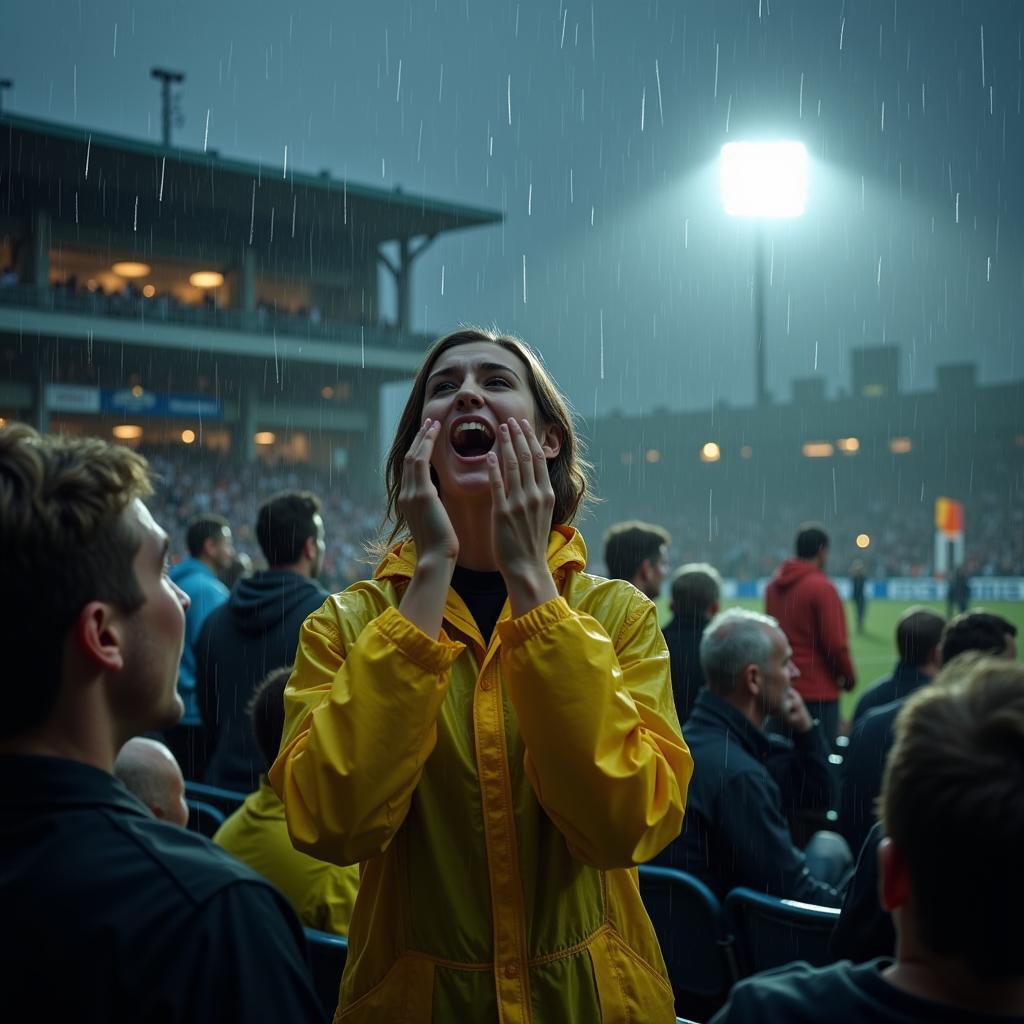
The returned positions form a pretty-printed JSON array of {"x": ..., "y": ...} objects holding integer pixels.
[{"x": 471, "y": 438}]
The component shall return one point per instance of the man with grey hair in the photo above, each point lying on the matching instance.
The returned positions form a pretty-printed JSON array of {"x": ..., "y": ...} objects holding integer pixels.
[
  {"x": 735, "y": 832},
  {"x": 150, "y": 773},
  {"x": 696, "y": 589}
]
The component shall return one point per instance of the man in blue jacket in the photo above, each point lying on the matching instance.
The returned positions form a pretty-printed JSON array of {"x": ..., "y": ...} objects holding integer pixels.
[
  {"x": 211, "y": 552},
  {"x": 257, "y": 630}
]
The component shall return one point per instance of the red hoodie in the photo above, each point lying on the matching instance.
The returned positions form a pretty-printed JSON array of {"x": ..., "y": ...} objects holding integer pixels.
[{"x": 811, "y": 615}]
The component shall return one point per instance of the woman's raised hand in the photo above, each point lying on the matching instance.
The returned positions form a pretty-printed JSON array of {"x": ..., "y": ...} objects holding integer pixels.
[
  {"x": 522, "y": 502},
  {"x": 420, "y": 504}
]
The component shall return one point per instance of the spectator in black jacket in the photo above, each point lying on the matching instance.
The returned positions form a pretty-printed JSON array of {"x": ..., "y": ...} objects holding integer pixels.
[
  {"x": 953, "y": 814},
  {"x": 918, "y": 641},
  {"x": 863, "y": 930},
  {"x": 696, "y": 590},
  {"x": 872, "y": 737},
  {"x": 255, "y": 630},
  {"x": 110, "y": 914},
  {"x": 734, "y": 832}
]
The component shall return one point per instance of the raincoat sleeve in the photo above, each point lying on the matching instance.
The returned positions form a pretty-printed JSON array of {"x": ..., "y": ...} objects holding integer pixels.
[
  {"x": 360, "y": 721},
  {"x": 604, "y": 752}
]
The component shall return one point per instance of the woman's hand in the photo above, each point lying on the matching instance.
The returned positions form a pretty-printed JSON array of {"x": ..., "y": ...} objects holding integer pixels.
[
  {"x": 437, "y": 545},
  {"x": 420, "y": 504},
  {"x": 521, "y": 507}
]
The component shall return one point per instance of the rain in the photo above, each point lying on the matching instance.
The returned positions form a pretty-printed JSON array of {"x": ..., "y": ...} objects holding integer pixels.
[{"x": 229, "y": 232}]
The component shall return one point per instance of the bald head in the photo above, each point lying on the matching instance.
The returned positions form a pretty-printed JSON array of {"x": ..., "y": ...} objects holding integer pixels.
[{"x": 149, "y": 771}]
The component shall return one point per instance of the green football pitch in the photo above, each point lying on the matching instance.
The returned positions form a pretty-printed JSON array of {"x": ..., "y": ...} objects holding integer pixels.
[{"x": 874, "y": 651}]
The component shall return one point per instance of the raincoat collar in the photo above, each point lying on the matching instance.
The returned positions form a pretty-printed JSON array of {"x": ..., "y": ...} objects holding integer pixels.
[{"x": 566, "y": 553}]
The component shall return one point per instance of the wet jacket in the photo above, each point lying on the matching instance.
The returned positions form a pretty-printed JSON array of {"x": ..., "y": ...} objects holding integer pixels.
[
  {"x": 682, "y": 636},
  {"x": 735, "y": 832},
  {"x": 322, "y": 894},
  {"x": 497, "y": 796},
  {"x": 206, "y": 593},
  {"x": 811, "y": 615},
  {"x": 255, "y": 631},
  {"x": 905, "y": 679}
]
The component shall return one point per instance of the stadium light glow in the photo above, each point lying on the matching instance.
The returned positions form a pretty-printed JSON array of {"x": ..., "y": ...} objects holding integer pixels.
[
  {"x": 653, "y": 455},
  {"x": 127, "y": 432},
  {"x": 900, "y": 445},
  {"x": 863, "y": 540},
  {"x": 327, "y": 392},
  {"x": 848, "y": 445},
  {"x": 206, "y": 279},
  {"x": 131, "y": 269},
  {"x": 710, "y": 452},
  {"x": 818, "y": 449},
  {"x": 746, "y": 452},
  {"x": 137, "y": 391},
  {"x": 188, "y": 436},
  {"x": 766, "y": 180},
  {"x": 264, "y": 437},
  {"x": 149, "y": 291}
]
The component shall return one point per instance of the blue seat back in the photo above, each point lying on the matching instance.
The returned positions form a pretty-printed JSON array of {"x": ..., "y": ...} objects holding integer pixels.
[
  {"x": 770, "y": 932},
  {"x": 327, "y": 955},
  {"x": 203, "y": 818},
  {"x": 691, "y": 928},
  {"x": 226, "y": 801}
]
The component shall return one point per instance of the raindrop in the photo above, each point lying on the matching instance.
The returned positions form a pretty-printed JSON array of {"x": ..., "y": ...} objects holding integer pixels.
[
  {"x": 284, "y": 172},
  {"x": 524, "y": 278},
  {"x": 657, "y": 78},
  {"x": 206, "y": 132}
]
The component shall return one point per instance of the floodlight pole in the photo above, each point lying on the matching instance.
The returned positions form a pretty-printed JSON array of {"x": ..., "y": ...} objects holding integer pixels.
[
  {"x": 167, "y": 78},
  {"x": 760, "y": 388}
]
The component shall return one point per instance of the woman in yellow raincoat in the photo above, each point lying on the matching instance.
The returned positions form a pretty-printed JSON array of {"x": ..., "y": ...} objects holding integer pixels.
[{"x": 486, "y": 728}]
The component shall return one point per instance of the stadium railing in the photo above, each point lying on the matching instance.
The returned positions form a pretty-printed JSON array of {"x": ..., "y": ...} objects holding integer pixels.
[{"x": 227, "y": 801}]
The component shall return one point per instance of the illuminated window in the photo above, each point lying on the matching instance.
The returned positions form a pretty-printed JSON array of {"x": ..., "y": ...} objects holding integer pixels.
[
  {"x": 206, "y": 279},
  {"x": 818, "y": 449},
  {"x": 327, "y": 392}
]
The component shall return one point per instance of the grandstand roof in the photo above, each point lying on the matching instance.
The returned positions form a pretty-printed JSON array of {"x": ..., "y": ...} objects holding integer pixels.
[{"x": 109, "y": 181}]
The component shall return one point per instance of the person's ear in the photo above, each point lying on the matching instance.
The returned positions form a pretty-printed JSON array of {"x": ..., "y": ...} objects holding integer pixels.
[
  {"x": 99, "y": 633},
  {"x": 713, "y": 610},
  {"x": 309, "y": 549},
  {"x": 752, "y": 681},
  {"x": 551, "y": 437},
  {"x": 893, "y": 880}
]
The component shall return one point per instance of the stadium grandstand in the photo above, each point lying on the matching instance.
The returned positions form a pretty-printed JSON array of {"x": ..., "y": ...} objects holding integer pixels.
[
  {"x": 212, "y": 312},
  {"x": 730, "y": 484}
]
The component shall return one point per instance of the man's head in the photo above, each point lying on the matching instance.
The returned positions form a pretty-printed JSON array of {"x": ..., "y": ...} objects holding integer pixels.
[
  {"x": 291, "y": 532},
  {"x": 209, "y": 540},
  {"x": 812, "y": 544},
  {"x": 747, "y": 661},
  {"x": 149, "y": 771},
  {"x": 952, "y": 807},
  {"x": 919, "y": 638},
  {"x": 93, "y": 627},
  {"x": 638, "y": 552},
  {"x": 696, "y": 590},
  {"x": 979, "y": 631},
  {"x": 266, "y": 712}
]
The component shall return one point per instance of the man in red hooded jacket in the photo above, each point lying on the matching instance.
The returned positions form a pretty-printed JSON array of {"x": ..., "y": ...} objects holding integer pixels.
[{"x": 811, "y": 615}]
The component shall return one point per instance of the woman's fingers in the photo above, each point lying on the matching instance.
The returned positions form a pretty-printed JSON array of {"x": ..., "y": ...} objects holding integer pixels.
[
  {"x": 523, "y": 454},
  {"x": 499, "y": 500},
  {"x": 509, "y": 462},
  {"x": 540, "y": 459}
]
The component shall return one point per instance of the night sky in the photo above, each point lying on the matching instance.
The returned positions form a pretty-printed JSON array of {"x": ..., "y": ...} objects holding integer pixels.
[{"x": 595, "y": 128}]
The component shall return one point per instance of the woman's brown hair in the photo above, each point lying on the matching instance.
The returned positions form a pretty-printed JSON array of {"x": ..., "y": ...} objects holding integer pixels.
[{"x": 568, "y": 469}]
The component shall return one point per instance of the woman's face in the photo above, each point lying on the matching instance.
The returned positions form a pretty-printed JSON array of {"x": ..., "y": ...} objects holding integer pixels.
[{"x": 473, "y": 389}]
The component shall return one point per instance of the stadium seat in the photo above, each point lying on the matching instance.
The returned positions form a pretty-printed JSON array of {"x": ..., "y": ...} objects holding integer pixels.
[
  {"x": 327, "y": 954},
  {"x": 226, "y": 801},
  {"x": 699, "y": 954},
  {"x": 770, "y": 932},
  {"x": 203, "y": 818}
]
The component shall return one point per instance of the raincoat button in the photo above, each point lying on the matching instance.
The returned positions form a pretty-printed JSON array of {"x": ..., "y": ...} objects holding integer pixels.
[
  {"x": 511, "y": 971},
  {"x": 485, "y": 683}
]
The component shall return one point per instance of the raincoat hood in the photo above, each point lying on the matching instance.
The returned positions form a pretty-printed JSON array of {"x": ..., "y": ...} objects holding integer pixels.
[
  {"x": 792, "y": 571},
  {"x": 263, "y": 601}
]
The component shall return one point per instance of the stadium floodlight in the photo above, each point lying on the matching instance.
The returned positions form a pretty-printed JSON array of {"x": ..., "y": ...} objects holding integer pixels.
[
  {"x": 766, "y": 180},
  {"x": 763, "y": 181}
]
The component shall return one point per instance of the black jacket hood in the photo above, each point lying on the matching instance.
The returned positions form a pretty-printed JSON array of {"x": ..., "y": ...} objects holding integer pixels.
[{"x": 268, "y": 598}]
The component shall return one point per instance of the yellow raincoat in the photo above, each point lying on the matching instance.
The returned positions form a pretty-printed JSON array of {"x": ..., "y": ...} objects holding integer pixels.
[{"x": 497, "y": 796}]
